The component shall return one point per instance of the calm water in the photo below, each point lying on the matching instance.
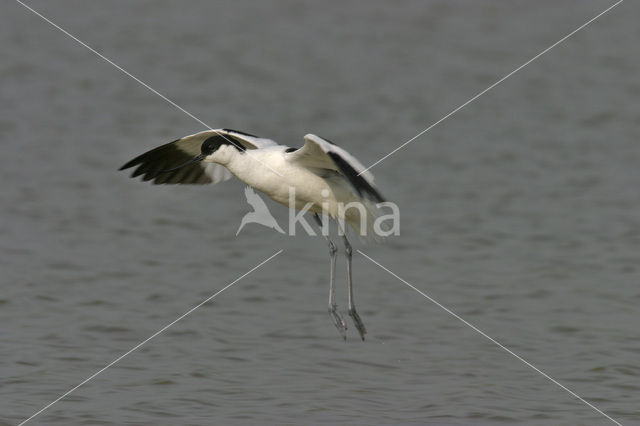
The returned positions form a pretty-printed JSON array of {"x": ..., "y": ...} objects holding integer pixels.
[{"x": 520, "y": 213}]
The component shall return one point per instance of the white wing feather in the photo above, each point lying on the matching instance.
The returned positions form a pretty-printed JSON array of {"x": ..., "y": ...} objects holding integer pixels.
[
  {"x": 315, "y": 151},
  {"x": 322, "y": 154}
]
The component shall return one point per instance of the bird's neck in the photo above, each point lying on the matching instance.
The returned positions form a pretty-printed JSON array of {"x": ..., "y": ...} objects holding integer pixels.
[
  {"x": 258, "y": 169},
  {"x": 225, "y": 155}
]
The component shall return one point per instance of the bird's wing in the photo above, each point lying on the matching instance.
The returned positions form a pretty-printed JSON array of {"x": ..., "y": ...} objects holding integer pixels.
[
  {"x": 152, "y": 164},
  {"x": 323, "y": 154},
  {"x": 247, "y": 140}
]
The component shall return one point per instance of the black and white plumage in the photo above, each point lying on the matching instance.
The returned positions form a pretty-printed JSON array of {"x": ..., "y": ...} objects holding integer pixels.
[{"x": 320, "y": 172}]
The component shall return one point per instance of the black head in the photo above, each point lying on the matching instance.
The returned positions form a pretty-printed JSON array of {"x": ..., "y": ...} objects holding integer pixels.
[
  {"x": 213, "y": 143},
  {"x": 208, "y": 147}
]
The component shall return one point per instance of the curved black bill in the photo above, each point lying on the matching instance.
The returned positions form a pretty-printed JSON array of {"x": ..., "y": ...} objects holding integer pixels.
[{"x": 195, "y": 159}]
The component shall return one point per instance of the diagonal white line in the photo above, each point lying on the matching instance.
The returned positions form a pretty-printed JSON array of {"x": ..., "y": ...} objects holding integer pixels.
[
  {"x": 135, "y": 78},
  {"x": 150, "y": 337},
  {"x": 114, "y": 64},
  {"x": 500, "y": 345},
  {"x": 493, "y": 85}
]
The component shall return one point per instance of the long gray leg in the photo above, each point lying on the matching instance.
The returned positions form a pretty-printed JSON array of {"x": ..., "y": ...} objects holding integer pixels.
[
  {"x": 333, "y": 308},
  {"x": 352, "y": 307}
]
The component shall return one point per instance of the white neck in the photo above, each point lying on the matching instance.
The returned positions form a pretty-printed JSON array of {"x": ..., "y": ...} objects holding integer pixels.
[{"x": 223, "y": 155}]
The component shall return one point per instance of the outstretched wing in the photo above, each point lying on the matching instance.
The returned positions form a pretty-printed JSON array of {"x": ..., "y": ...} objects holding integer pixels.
[
  {"x": 247, "y": 140},
  {"x": 323, "y": 154},
  {"x": 152, "y": 164}
]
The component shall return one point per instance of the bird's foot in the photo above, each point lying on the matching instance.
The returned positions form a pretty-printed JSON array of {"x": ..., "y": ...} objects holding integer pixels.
[
  {"x": 338, "y": 321},
  {"x": 358, "y": 322}
]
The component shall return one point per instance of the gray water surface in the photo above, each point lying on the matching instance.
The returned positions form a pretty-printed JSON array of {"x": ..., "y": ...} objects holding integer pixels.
[{"x": 520, "y": 213}]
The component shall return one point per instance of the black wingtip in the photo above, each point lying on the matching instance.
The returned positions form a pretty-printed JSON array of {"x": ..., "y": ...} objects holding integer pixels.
[
  {"x": 130, "y": 164},
  {"x": 126, "y": 165},
  {"x": 360, "y": 184},
  {"x": 140, "y": 158}
]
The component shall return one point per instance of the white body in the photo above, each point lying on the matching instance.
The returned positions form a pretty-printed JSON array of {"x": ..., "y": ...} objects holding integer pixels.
[{"x": 268, "y": 171}]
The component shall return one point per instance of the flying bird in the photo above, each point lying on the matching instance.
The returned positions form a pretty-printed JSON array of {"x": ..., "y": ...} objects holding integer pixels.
[{"x": 319, "y": 174}]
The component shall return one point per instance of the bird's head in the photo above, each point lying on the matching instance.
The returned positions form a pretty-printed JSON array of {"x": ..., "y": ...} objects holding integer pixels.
[{"x": 216, "y": 149}]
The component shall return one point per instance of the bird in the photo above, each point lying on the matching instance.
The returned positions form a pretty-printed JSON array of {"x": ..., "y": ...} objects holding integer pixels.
[
  {"x": 322, "y": 176},
  {"x": 260, "y": 213}
]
